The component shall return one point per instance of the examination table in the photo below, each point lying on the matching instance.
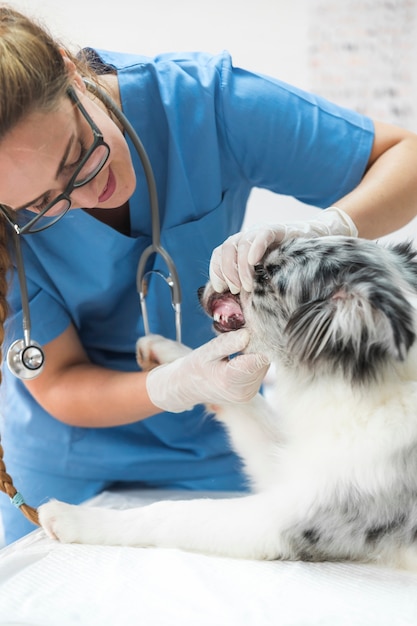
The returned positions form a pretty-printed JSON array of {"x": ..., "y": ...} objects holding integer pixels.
[{"x": 44, "y": 583}]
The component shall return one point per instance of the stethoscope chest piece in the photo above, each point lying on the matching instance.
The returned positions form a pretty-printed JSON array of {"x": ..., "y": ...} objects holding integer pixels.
[{"x": 25, "y": 361}]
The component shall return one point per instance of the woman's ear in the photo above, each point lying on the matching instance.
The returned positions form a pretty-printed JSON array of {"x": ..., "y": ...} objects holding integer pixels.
[{"x": 72, "y": 70}]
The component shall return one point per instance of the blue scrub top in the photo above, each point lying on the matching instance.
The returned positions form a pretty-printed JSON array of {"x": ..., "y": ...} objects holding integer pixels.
[{"x": 212, "y": 133}]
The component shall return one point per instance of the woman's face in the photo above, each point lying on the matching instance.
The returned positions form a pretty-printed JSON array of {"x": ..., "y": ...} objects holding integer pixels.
[{"x": 39, "y": 156}]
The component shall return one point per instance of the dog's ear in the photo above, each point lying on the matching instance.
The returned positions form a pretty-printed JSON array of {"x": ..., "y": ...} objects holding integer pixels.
[
  {"x": 406, "y": 254},
  {"x": 353, "y": 328}
]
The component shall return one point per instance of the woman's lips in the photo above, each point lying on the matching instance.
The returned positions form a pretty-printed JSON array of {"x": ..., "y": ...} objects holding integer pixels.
[{"x": 109, "y": 189}]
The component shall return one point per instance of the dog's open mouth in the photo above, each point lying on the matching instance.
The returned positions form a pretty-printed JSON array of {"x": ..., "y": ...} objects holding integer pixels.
[{"x": 226, "y": 312}]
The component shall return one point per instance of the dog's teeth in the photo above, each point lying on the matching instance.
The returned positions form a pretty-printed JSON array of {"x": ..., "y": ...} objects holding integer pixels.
[{"x": 217, "y": 317}]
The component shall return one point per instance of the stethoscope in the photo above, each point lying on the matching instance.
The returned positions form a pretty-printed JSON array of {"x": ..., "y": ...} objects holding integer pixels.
[{"x": 25, "y": 357}]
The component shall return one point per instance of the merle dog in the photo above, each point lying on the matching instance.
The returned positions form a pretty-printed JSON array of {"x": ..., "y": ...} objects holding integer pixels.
[{"x": 333, "y": 462}]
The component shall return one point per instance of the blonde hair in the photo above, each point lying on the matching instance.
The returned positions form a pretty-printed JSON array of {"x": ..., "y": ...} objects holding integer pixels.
[{"x": 32, "y": 78}]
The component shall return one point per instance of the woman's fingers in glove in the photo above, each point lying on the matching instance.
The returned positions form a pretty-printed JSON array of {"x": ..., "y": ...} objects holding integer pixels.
[
  {"x": 223, "y": 346},
  {"x": 223, "y": 271},
  {"x": 241, "y": 376},
  {"x": 244, "y": 375},
  {"x": 250, "y": 363},
  {"x": 206, "y": 375},
  {"x": 230, "y": 380},
  {"x": 231, "y": 265},
  {"x": 261, "y": 239}
]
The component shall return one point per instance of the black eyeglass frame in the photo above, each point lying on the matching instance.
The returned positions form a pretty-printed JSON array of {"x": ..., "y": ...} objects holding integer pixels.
[{"x": 72, "y": 183}]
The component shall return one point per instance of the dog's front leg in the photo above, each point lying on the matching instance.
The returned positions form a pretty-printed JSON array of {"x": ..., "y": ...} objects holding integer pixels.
[
  {"x": 254, "y": 434},
  {"x": 242, "y": 527}
]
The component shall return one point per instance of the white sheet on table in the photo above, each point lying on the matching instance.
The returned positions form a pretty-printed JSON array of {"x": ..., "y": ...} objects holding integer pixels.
[{"x": 43, "y": 583}]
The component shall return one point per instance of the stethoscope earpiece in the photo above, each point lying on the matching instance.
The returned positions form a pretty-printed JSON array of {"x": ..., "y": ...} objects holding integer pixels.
[{"x": 25, "y": 361}]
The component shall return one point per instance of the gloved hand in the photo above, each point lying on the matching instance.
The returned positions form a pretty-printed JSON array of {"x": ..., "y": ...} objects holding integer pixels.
[
  {"x": 231, "y": 263},
  {"x": 206, "y": 375}
]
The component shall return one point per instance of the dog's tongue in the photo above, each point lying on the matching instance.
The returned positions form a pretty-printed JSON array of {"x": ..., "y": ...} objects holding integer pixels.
[{"x": 226, "y": 312}]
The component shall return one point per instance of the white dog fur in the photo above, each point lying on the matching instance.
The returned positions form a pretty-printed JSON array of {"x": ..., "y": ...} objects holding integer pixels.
[{"x": 333, "y": 467}]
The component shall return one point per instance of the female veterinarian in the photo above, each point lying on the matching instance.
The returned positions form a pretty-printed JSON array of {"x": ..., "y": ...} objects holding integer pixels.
[{"x": 75, "y": 219}]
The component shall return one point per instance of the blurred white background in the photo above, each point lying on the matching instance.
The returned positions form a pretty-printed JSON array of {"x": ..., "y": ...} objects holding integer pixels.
[{"x": 360, "y": 53}]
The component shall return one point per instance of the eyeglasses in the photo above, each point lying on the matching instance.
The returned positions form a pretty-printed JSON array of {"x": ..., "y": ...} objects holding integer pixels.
[{"x": 24, "y": 222}]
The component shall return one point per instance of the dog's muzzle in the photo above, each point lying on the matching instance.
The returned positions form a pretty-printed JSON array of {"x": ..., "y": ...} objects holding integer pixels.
[{"x": 226, "y": 311}]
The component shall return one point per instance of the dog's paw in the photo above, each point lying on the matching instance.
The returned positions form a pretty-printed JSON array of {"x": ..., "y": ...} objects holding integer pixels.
[
  {"x": 153, "y": 350},
  {"x": 64, "y": 522}
]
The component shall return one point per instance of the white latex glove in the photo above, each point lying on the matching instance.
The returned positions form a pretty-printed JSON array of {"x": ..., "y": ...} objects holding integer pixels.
[
  {"x": 232, "y": 263},
  {"x": 206, "y": 375}
]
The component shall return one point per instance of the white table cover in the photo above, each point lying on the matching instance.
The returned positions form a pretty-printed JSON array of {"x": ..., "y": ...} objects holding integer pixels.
[{"x": 44, "y": 583}]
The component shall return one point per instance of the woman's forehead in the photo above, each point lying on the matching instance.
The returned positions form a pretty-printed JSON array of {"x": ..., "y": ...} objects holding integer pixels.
[{"x": 31, "y": 152}]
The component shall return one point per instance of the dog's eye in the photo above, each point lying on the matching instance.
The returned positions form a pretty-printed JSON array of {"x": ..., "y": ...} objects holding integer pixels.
[{"x": 261, "y": 272}]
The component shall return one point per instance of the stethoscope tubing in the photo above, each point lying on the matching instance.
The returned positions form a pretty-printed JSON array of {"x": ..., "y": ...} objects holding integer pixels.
[
  {"x": 23, "y": 289},
  {"x": 155, "y": 247}
]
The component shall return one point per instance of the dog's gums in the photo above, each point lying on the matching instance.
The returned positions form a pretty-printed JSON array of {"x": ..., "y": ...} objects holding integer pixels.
[{"x": 226, "y": 312}]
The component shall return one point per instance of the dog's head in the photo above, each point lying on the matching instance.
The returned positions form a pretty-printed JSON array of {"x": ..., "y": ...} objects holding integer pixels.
[{"x": 332, "y": 304}]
